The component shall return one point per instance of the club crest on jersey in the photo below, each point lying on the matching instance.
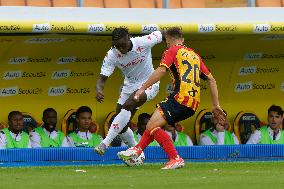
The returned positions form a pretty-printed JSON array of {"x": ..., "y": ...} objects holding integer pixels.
[{"x": 139, "y": 49}]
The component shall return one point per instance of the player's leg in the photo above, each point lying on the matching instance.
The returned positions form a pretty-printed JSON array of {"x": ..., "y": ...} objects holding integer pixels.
[
  {"x": 123, "y": 117},
  {"x": 126, "y": 134},
  {"x": 168, "y": 111}
]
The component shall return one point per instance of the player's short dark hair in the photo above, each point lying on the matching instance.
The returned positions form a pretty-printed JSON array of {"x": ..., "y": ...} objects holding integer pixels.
[
  {"x": 83, "y": 109},
  {"x": 13, "y": 113},
  {"x": 119, "y": 33},
  {"x": 143, "y": 116},
  {"x": 175, "y": 32},
  {"x": 47, "y": 110},
  {"x": 275, "y": 108}
]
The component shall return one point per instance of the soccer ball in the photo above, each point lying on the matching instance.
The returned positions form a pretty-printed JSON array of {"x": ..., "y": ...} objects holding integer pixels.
[{"x": 136, "y": 161}]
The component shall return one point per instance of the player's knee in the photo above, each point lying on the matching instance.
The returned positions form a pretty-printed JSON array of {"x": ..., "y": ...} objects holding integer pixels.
[
  {"x": 129, "y": 107},
  {"x": 151, "y": 126}
]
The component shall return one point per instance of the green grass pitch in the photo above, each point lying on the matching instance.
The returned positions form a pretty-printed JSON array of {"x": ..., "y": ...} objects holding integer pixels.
[{"x": 229, "y": 175}]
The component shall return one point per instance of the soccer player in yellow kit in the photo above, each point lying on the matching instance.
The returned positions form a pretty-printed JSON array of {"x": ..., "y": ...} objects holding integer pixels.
[{"x": 186, "y": 67}]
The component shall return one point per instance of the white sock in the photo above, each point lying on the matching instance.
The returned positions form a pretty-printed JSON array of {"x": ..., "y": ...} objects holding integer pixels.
[
  {"x": 128, "y": 138},
  {"x": 119, "y": 122}
]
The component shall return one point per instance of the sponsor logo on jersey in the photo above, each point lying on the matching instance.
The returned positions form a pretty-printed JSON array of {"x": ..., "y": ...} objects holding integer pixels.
[{"x": 134, "y": 62}]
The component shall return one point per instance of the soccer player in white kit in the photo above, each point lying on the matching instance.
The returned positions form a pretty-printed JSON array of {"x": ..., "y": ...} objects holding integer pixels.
[{"x": 133, "y": 57}]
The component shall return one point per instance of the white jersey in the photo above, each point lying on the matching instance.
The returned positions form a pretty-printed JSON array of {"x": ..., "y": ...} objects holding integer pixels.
[
  {"x": 16, "y": 137},
  {"x": 255, "y": 138},
  {"x": 136, "y": 65},
  {"x": 35, "y": 138},
  {"x": 83, "y": 135},
  {"x": 205, "y": 140}
]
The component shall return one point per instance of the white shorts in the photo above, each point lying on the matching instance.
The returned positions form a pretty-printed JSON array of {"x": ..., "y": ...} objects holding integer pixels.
[{"x": 151, "y": 92}]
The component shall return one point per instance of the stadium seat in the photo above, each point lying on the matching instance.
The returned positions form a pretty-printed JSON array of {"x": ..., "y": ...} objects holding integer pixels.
[
  {"x": 12, "y": 2},
  {"x": 65, "y": 3},
  {"x": 142, "y": 4},
  {"x": 268, "y": 3},
  {"x": 39, "y": 3},
  {"x": 2, "y": 125},
  {"x": 245, "y": 124},
  {"x": 94, "y": 3},
  {"x": 174, "y": 4},
  {"x": 29, "y": 122},
  {"x": 69, "y": 123},
  {"x": 193, "y": 3},
  {"x": 203, "y": 122},
  {"x": 116, "y": 4}
]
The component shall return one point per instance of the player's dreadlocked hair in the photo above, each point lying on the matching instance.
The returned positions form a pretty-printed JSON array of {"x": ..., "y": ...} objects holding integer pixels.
[
  {"x": 174, "y": 32},
  {"x": 118, "y": 33}
]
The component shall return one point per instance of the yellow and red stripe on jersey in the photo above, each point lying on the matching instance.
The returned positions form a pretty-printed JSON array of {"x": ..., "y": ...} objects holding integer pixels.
[{"x": 185, "y": 67}]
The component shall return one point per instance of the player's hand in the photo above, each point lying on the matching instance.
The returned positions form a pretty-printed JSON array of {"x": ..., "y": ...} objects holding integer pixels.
[
  {"x": 100, "y": 96},
  {"x": 219, "y": 114},
  {"x": 138, "y": 94}
]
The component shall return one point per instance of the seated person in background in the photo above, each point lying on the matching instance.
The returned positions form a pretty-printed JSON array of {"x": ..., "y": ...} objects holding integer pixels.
[
  {"x": 271, "y": 133},
  {"x": 47, "y": 135},
  {"x": 143, "y": 119},
  {"x": 179, "y": 138},
  {"x": 14, "y": 136},
  {"x": 218, "y": 135},
  {"x": 83, "y": 137}
]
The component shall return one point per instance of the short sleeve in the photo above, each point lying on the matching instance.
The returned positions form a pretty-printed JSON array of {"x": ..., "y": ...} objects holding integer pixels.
[
  {"x": 150, "y": 40},
  {"x": 108, "y": 65},
  {"x": 168, "y": 58}
]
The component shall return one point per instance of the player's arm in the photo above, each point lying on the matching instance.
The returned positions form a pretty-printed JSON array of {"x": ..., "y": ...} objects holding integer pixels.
[
  {"x": 100, "y": 87},
  {"x": 154, "y": 78},
  {"x": 151, "y": 39},
  {"x": 106, "y": 70}
]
